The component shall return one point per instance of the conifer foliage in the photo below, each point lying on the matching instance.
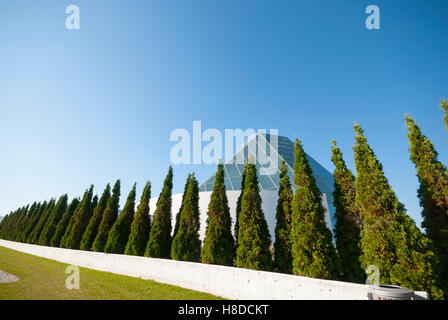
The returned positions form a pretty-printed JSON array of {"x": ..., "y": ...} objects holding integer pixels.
[
  {"x": 312, "y": 250},
  {"x": 432, "y": 192},
  {"x": 141, "y": 225},
  {"x": 33, "y": 222},
  {"x": 93, "y": 204},
  {"x": 282, "y": 244},
  {"x": 254, "y": 239},
  {"x": 94, "y": 223},
  {"x": 389, "y": 238},
  {"x": 63, "y": 223},
  {"x": 159, "y": 243},
  {"x": 35, "y": 234},
  {"x": 219, "y": 245},
  {"x": 176, "y": 224},
  {"x": 186, "y": 244},
  {"x": 444, "y": 106},
  {"x": 21, "y": 236},
  {"x": 25, "y": 213},
  {"x": 348, "y": 222},
  {"x": 10, "y": 225},
  {"x": 119, "y": 233},
  {"x": 109, "y": 216},
  {"x": 80, "y": 218},
  {"x": 238, "y": 205},
  {"x": 66, "y": 234},
  {"x": 50, "y": 226}
]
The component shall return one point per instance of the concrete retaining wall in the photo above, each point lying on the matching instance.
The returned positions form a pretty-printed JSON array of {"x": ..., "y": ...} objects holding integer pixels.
[{"x": 226, "y": 282}]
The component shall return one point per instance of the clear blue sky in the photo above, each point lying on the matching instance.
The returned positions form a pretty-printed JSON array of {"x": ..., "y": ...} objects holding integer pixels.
[{"x": 99, "y": 103}]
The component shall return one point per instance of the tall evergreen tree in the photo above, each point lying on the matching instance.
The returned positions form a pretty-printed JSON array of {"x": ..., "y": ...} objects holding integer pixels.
[
  {"x": 119, "y": 233},
  {"x": 24, "y": 221},
  {"x": 159, "y": 243},
  {"x": 66, "y": 235},
  {"x": 50, "y": 225},
  {"x": 282, "y": 244},
  {"x": 8, "y": 223},
  {"x": 17, "y": 218},
  {"x": 15, "y": 215},
  {"x": 94, "y": 223},
  {"x": 63, "y": 223},
  {"x": 417, "y": 265},
  {"x": 312, "y": 248},
  {"x": 254, "y": 239},
  {"x": 30, "y": 217},
  {"x": 109, "y": 216},
  {"x": 444, "y": 106},
  {"x": 9, "y": 220},
  {"x": 4, "y": 225},
  {"x": 176, "y": 225},
  {"x": 34, "y": 236},
  {"x": 94, "y": 204},
  {"x": 348, "y": 222},
  {"x": 219, "y": 245},
  {"x": 26, "y": 237},
  {"x": 433, "y": 192},
  {"x": 141, "y": 225},
  {"x": 12, "y": 219},
  {"x": 389, "y": 238},
  {"x": 186, "y": 244},
  {"x": 238, "y": 206},
  {"x": 81, "y": 218}
]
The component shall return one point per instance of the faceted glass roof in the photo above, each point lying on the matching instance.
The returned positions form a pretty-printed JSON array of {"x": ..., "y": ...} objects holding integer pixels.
[{"x": 267, "y": 152}]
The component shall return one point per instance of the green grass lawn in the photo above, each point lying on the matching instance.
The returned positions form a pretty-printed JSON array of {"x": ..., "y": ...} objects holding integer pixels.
[{"x": 45, "y": 279}]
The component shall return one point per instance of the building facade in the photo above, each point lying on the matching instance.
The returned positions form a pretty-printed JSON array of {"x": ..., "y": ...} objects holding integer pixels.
[{"x": 266, "y": 152}]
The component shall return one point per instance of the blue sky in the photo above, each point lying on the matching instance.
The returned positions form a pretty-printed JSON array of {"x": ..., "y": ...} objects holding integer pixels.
[{"x": 92, "y": 105}]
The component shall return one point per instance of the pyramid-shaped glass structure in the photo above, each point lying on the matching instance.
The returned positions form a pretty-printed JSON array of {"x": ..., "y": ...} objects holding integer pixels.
[{"x": 267, "y": 152}]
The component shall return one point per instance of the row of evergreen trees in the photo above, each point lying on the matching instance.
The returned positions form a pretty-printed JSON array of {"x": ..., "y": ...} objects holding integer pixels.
[{"x": 372, "y": 227}]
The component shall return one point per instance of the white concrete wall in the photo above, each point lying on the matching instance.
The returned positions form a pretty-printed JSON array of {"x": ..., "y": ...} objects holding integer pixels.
[
  {"x": 227, "y": 282},
  {"x": 268, "y": 205}
]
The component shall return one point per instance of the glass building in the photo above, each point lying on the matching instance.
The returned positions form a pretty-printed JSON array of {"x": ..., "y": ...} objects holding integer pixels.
[{"x": 267, "y": 151}]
